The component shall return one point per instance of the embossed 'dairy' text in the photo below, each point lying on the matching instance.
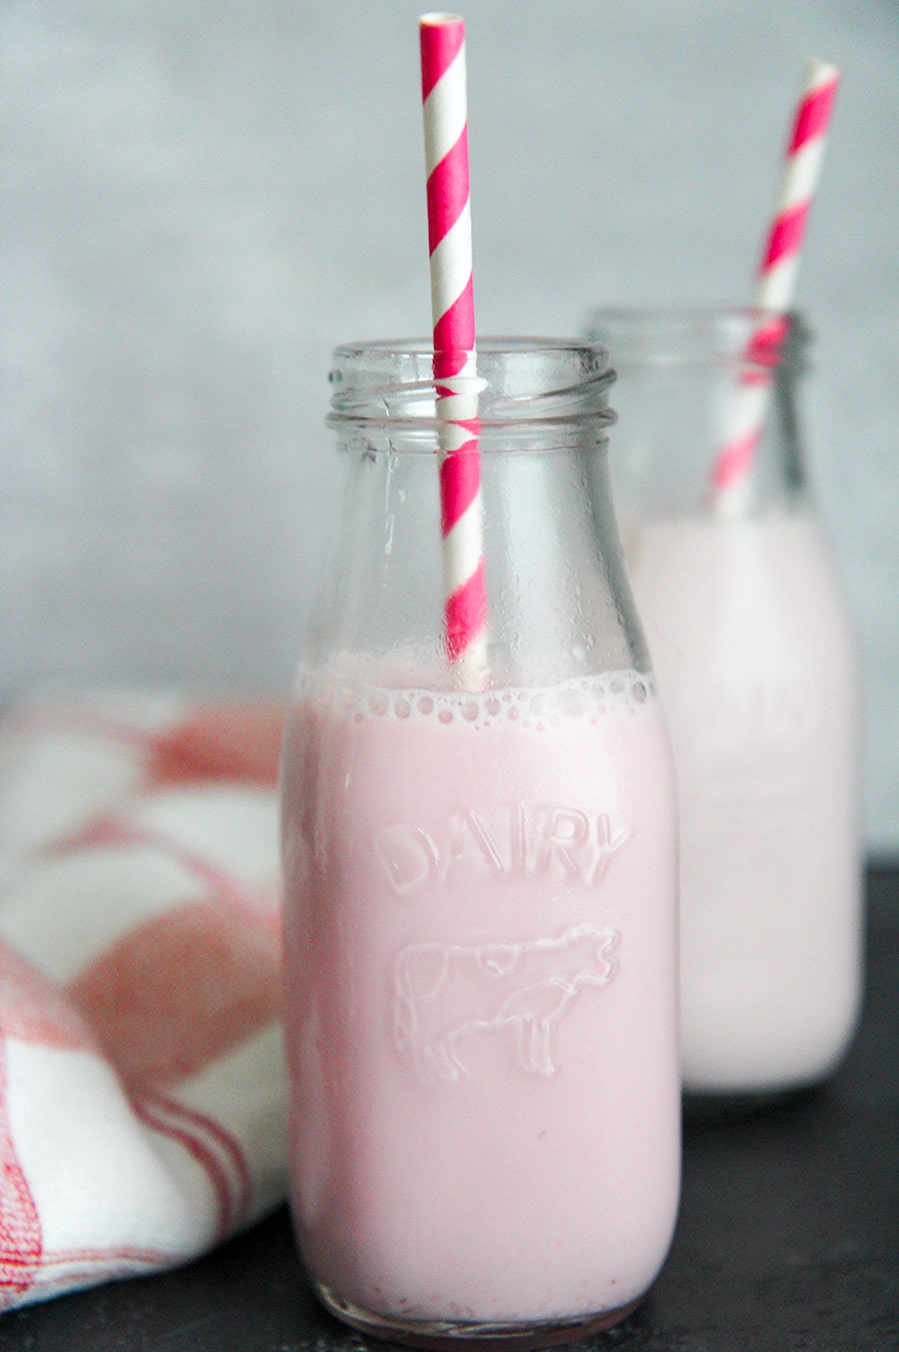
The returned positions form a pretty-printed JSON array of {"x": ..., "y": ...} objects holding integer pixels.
[{"x": 538, "y": 842}]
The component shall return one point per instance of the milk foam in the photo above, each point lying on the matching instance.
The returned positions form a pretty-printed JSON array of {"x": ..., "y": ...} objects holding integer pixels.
[{"x": 539, "y": 707}]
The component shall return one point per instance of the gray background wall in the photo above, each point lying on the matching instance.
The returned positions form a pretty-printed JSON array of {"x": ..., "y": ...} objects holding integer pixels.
[{"x": 199, "y": 199}]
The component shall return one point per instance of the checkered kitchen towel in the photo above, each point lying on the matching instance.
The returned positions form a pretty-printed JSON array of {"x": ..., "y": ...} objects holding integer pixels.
[{"x": 142, "y": 1096}]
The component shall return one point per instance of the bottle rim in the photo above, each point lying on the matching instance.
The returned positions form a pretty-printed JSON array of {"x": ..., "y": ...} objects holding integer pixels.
[
  {"x": 516, "y": 380},
  {"x": 713, "y": 335}
]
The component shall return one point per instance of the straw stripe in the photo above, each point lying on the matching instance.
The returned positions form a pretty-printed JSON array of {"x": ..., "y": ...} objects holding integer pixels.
[
  {"x": 813, "y": 116},
  {"x": 445, "y": 38},
  {"x": 451, "y": 360},
  {"x": 451, "y": 274},
  {"x": 465, "y": 525},
  {"x": 768, "y": 336},
  {"x": 448, "y": 191},
  {"x": 455, "y": 407},
  {"x": 786, "y": 235},
  {"x": 736, "y": 458},
  {"x": 805, "y": 170},
  {"x": 445, "y": 114},
  {"x": 461, "y": 507},
  {"x": 455, "y": 505},
  {"x": 776, "y": 284},
  {"x": 466, "y": 613}
]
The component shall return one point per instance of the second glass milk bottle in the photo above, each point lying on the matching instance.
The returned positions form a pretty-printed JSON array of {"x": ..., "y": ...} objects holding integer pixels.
[
  {"x": 480, "y": 910},
  {"x": 758, "y": 673}
]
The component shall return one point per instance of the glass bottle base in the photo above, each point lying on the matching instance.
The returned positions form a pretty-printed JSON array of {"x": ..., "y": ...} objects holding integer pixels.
[{"x": 439, "y": 1334}]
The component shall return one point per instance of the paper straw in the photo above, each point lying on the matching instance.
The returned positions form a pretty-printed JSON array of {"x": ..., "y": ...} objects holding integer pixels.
[
  {"x": 444, "y": 103},
  {"x": 776, "y": 284}
]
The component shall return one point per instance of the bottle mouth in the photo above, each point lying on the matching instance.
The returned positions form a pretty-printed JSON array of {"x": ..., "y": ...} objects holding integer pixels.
[
  {"x": 697, "y": 336},
  {"x": 510, "y": 381}
]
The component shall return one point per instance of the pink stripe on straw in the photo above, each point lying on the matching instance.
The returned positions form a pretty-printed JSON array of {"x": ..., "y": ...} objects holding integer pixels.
[
  {"x": 460, "y": 483},
  {"x": 776, "y": 282},
  {"x": 786, "y": 235},
  {"x": 813, "y": 113},
  {"x": 466, "y": 613},
  {"x": 442, "y": 38},
  {"x": 448, "y": 192},
  {"x": 735, "y": 460},
  {"x": 453, "y": 325},
  {"x": 767, "y": 339}
]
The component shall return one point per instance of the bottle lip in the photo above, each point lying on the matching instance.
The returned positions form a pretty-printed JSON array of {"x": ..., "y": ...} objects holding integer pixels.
[
  {"x": 514, "y": 380},
  {"x": 496, "y": 344},
  {"x": 697, "y": 335}
]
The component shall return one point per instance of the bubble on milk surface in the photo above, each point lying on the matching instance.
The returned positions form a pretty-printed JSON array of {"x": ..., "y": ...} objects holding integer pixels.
[{"x": 539, "y": 709}]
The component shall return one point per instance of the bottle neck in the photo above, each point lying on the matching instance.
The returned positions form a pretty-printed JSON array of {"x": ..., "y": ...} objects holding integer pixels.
[
  {"x": 557, "y": 600},
  {"x": 710, "y": 416}
]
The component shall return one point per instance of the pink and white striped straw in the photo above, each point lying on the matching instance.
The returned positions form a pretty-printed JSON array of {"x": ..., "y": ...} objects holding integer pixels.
[
  {"x": 748, "y": 411},
  {"x": 445, "y": 110}
]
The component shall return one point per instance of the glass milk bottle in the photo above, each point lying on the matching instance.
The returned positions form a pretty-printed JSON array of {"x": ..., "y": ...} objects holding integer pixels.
[
  {"x": 757, "y": 670},
  {"x": 480, "y": 909}
]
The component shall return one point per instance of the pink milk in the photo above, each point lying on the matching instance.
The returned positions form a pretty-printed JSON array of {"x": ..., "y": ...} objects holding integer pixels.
[
  {"x": 757, "y": 672},
  {"x": 482, "y": 1011}
]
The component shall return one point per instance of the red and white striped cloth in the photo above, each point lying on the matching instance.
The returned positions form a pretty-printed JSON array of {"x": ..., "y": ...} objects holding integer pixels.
[{"x": 142, "y": 1090}]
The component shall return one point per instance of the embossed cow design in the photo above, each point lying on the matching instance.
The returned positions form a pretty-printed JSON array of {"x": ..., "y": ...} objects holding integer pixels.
[{"x": 447, "y": 994}]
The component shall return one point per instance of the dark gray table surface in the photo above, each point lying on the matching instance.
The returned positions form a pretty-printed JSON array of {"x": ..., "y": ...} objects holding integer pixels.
[{"x": 788, "y": 1237}]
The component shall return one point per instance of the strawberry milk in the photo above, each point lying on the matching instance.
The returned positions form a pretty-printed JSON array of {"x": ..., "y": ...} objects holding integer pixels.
[
  {"x": 481, "y": 1017},
  {"x": 756, "y": 667}
]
